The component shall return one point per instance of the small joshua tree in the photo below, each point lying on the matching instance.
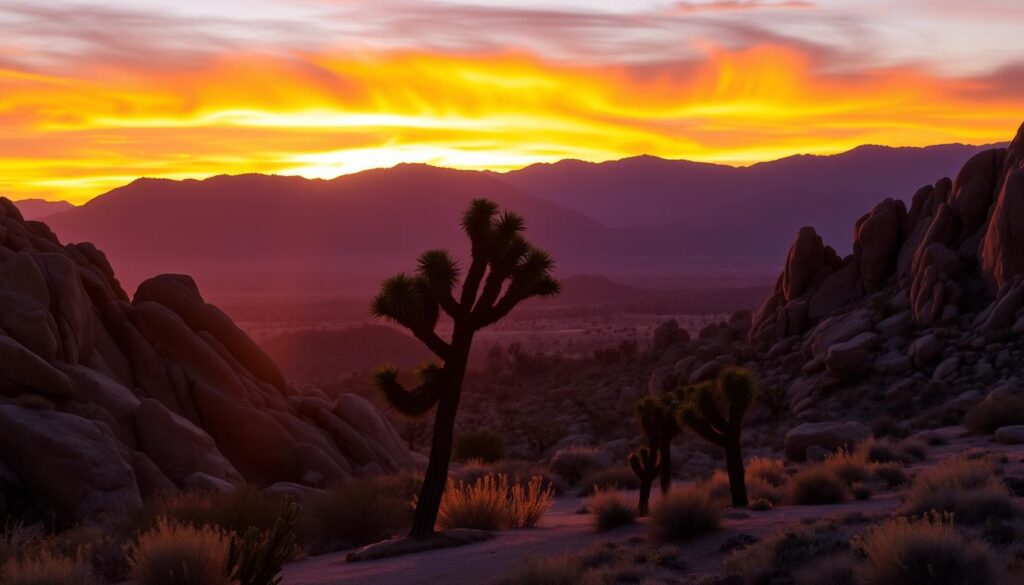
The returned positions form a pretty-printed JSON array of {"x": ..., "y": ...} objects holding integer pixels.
[
  {"x": 505, "y": 269},
  {"x": 715, "y": 412},
  {"x": 656, "y": 416},
  {"x": 644, "y": 464}
]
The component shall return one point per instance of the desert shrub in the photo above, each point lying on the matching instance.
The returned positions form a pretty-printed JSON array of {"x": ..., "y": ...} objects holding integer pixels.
[
  {"x": 572, "y": 464},
  {"x": 492, "y": 503},
  {"x": 357, "y": 512},
  {"x": 528, "y": 503},
  {"x": 889, "y": 474},
  {"x": 776, "y": 556},
  {"x": 994, "y": 412},
  {"x": 717, "y": 488},
  {"x": 848, "y": 467},
  {"x": 861, "y": 491},
  {"x": 684, "y": 513},
  {"x": 618, "y": 477},
  {"x": 256, "y": 556},
  {"x": 926, "y": 552},
  {"x": 760, "y": 489},
  {"x": 611, "y": 510},
  {"x": 878, "y": 451},
  {"x": 483, "y": 445},
  {"x": 963, "y": 487},
  {"x": 47, "y": 568},
  {"x": 17, "y": 539},
  {"x": 834, "y": 570},
  {"x": 913, "y": 450},
  {"x": 815, "y": 486},
  {"x": 177, "y": 554},
  {"x": 771, "y": 471},
  {"x": 761, "y": 504},
  {"x": 236, "y": 511},
  {"x": 549, "y": 571}
]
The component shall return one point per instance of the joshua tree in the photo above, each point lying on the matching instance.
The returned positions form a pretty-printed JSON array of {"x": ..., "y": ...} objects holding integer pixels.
[
  {"x": 656, "y": 417},
  {"x": 644, "y": 464},
  {"x": 505, "y": 269},
  {"x": 715, "y": 412}
]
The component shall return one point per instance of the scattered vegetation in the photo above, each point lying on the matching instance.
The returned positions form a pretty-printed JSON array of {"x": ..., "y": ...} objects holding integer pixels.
[
  {"x": 172, "y": 554},
  {"x": 572, "y": 464},
  {"x": 357, "y": 512},
  {"x": 715, "y": 412},
  {"x": 925, "y": 552},
  {"x": 483, "y": 445},
  {"x": 616, "y": 477},
  {"x": 684, "y": 513},
  {"x": 816, "y": 486},
  {"x": 848, "y": 467},
  {"x": 775, "y": 558},
  {"x": 610, "y": 510},
  {"x": 656, "y": 416},
  {"x": 966, "y": 488},
  {"x": 492, "y": 503},
  {"x": 47, "y": 568},
  {"x": 545, "y": 571}
]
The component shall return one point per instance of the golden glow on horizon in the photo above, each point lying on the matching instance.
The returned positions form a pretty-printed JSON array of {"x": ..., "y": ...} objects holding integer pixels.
[{"x": 321, "y": 115}]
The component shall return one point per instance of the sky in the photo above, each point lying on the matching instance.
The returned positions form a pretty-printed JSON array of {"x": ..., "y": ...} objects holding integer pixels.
[{"x": 96, "y": 94}]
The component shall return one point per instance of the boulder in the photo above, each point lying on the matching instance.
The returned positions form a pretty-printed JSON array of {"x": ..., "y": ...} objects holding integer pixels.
[
  {"x": 178, "y": 447},
  {"x": 1001, "y": 255},
  {"x": 849, "y": 358},
  {"x": 830, "y": 435},
  {"x": 1010, "y": 435},
  {"x": 974, "y": 188},
  {"x": 72, "y": 463},
  {"x": 925, "y": 350},
  {"x": 836, "y": 330},
  {"x": 876, "y": 244},
  {"x": 947, "y": 369}
]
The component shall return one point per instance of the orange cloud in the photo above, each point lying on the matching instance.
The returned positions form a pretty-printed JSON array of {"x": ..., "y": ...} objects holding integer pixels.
[{"x": 337, "y": 111}]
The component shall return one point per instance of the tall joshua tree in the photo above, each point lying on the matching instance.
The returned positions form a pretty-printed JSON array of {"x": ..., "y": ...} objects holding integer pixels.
[
  {"x": 715, "y": 411},
  {"x": 505, "y": 269}
]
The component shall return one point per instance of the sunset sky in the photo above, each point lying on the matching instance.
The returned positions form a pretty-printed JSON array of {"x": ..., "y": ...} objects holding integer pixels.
[{"x": 96, "y": 94}]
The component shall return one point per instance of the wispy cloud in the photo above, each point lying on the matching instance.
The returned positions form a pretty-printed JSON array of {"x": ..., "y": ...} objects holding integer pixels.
[{"x": 738, "y": 5}]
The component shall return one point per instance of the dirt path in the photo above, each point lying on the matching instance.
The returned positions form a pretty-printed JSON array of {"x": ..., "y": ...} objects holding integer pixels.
[{"x": 561, "y": 531}]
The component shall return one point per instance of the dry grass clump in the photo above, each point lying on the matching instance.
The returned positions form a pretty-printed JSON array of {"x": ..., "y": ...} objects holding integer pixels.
[
  {"x": 517, "y": 470},
  {"x": 611, "y": 510},
  {"x": 563, "y": 570},
  {"x": 994, "y": 412},
  {"x": 850, "y": 468},
  {"x": 889, "y": 474},
  {"x": 926, "y": 552},
  {"x": 618, "y": 477},
  {"x": 684, "y": 514},
  {"x": 777, "y": 556},
  {"x": 816, "y": 486},
  {"x": 236, "y": 511},
  {"x": 492, "y": 503},
  {"x": 46, "y": 568},
  {"x": 572, "y": 464},
  {"x": 357, "y": 512},
  {"x": 174, "y": 554},
  {"x": 771, "y": 471},
  {"x": 966, "y": 488},
  {"x": 888, "y": 451}
]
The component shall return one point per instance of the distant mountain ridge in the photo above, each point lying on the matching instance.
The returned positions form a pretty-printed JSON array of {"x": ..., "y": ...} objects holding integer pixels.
[
  {"x": 35, "y": 209},
  {"x": 636, "y": 218}
]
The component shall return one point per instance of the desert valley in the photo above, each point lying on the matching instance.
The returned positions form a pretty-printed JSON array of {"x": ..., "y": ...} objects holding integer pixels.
[{"x": 716, "y": 293}]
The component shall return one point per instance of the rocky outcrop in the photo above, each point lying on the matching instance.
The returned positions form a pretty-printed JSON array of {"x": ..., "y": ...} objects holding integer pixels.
[
  {"x": 826, "y": 435},
  {"x": 106, "y": 399}
]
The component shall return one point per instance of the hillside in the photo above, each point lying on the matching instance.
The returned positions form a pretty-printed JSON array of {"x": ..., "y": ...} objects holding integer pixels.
[{"x": 39, "y": 208}]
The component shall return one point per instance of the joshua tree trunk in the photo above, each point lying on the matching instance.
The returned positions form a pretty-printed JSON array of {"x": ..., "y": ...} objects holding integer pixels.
[
  {"x": 665, "y": 463},
  {"x": 734, "y": 467},
  {"x": 645, "y": 496},
  {"x": 436, "y": 477}
]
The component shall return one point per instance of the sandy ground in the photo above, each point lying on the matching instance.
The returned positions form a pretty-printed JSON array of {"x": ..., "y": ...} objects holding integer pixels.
[
  {"x": 564, "y": 531},
  {"x": 561, "y": 531}
]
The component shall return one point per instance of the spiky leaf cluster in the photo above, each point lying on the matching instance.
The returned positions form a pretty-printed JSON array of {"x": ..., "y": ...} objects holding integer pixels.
[
  {"x": 715, "y": 411},
  {"x": 505, "y": 270},
  {"x": 644, "y": 464}
]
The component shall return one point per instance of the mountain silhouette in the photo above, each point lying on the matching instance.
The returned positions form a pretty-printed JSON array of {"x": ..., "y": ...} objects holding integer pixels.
[{"x": 636, "y": 218}]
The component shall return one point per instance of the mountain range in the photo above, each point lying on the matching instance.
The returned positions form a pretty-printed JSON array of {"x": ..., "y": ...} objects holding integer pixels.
[{"x": 643, "y": 219}]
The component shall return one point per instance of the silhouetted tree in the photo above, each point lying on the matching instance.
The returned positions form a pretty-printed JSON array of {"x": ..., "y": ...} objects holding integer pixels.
[
  {"x": 715, "y": 411},
  {"x": 656, "y": 417},
  {"x": 505, "y": 269}
]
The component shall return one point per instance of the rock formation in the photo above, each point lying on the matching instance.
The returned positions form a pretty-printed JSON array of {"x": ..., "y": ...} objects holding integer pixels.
[
  {"x": 920, "y": 323},
  {"x": 105, "y": 400}
]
